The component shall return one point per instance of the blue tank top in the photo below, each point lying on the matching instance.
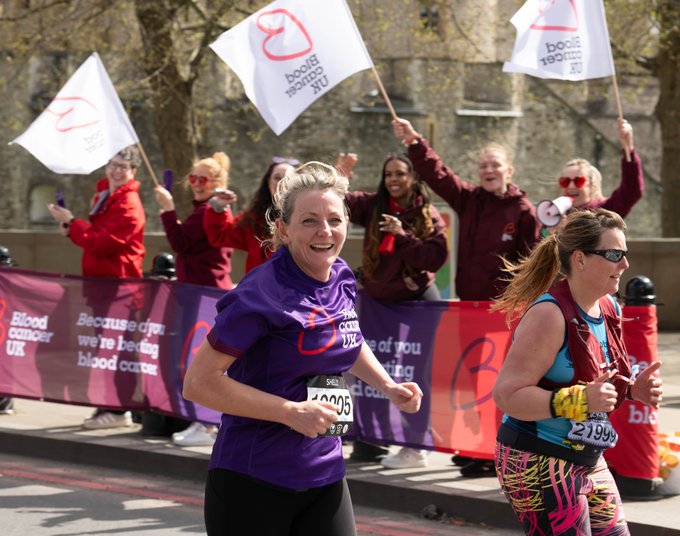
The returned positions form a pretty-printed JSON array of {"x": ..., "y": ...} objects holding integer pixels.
[{"x": 555, "y": 430}]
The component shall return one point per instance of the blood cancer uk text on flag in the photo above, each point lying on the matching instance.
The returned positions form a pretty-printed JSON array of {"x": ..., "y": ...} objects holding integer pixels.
[
  {"x": 563, "y": 39},
  {"x": 84, "y": 125},
  {"x": 291, "y": 52}
]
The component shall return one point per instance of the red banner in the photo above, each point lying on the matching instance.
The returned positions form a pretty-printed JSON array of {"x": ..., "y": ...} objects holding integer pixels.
[
  {"x": 454, "y": 351},
  {"x": 636, "y": 454}
]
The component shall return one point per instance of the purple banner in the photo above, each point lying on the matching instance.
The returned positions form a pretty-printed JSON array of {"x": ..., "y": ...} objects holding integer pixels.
[
  {"x": 114, "y": 343},
  {"x": 402, "y": 337}
]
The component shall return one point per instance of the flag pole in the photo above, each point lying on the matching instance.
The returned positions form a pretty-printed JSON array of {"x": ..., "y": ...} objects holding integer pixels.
[
  {"x": 384, "y": 93},
  {"x": 148, "y": 165},
  {"x": 617, "y": 98}
]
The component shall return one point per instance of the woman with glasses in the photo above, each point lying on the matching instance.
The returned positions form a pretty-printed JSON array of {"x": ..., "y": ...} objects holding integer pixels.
[
  {"x": 112, "y": 240},
  {"x": 566, "y": 370},
  {"x": 197, "y": 261},
  {"x": 248, "y": 230},
  {"x": 583, "y": 182}
]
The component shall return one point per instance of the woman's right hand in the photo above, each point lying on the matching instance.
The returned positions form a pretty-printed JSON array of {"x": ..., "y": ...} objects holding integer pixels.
[
  {"x": 345, "y": 163},
  {"x": 625, "y": 132},
  {"x": 404, "y": 131},
  {"x": 164, "y": 199},
  {"x": 311, "y": 418},
  {"x": 601, "y": 394}
]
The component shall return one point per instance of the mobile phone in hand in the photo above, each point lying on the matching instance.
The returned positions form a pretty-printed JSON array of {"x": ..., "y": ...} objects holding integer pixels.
[
  {"x": 167, "y": 179},
  {"x": 59, "y": 196}
]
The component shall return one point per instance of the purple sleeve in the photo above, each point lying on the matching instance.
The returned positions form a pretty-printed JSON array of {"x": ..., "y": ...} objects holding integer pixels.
[
  {"x": 630, "y": 190},
  {"x": 243, "y": 317},
  {"x": 444, "y": 182}
]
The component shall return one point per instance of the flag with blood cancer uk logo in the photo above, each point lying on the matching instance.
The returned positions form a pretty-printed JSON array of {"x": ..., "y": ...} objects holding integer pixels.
[
  {"x": 290, "y": 53},
  {"x": 84, "y": 125},
  {"x": 562, "y": 39}
]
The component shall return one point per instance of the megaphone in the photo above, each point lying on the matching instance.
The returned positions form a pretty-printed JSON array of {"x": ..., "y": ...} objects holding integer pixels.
[{"x": 550, "y": 212}]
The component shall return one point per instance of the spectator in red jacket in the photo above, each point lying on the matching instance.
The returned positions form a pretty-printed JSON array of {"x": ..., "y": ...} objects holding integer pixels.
[
  {"x": 112, "y": 241},
  {"x": 249, "y": 228},
  {"x": 583, "y": 182},
  {"x": 113, "y": 238},
  {"x": 197, "y": 261}
]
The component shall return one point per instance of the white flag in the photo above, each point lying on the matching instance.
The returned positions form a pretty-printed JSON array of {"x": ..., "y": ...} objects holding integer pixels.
[
  {"x": 291, "y": 52},
  {"x": 564, "y": 39},
  {"x": 84, "y": 125}
]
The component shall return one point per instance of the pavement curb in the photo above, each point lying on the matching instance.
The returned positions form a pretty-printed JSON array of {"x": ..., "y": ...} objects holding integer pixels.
[{"x": 370, "y": 484}]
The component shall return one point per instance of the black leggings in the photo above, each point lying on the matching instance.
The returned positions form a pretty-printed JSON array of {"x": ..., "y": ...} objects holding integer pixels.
[{"x": 237, "y": 505}]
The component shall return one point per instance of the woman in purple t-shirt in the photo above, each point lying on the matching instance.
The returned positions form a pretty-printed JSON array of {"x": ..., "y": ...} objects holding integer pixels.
[{"x": 273, "y": 365}]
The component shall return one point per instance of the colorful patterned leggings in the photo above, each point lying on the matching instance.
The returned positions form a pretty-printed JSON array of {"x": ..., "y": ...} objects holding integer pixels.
[{"x": 553, "y": 496}]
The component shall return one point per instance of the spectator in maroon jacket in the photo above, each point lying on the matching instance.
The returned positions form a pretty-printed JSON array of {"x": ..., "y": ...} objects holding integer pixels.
[
  {"x": 404, "y": 246},
  {"x": 495, "y": 220},
  {"x": 583, "y": 182},
  {"x": 495, "y": 217},
  {"x": 197, "y": 261}
]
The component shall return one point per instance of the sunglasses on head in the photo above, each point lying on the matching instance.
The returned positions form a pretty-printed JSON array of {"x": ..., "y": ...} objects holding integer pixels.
[
  {"x": 282, "y": 160},
  {"x": 579, "y": 182},
  {"x": 201, "y": 180},
  {"x": 612, "y": 255}
]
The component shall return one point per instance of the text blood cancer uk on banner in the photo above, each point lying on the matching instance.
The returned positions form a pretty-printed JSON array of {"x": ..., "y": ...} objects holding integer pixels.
[
  {"x": 102, "y": 342},
  {"x": 127, "y": 343}
]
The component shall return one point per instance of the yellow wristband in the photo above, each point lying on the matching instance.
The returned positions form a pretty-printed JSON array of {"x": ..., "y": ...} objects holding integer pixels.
[{"x": 570, "y": 402}]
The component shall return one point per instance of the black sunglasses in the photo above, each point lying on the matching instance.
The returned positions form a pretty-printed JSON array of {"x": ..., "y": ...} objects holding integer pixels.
[{"x": 612, "y": 255}]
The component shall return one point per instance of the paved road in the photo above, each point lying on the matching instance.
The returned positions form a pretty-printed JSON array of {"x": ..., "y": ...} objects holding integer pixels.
[{"x": 44, "y": 498}]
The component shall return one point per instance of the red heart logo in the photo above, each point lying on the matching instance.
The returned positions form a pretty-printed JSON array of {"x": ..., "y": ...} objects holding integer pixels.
[
  {"x": 559, "y": 15},
  {"x": 73, "y": 113},
  {"x": 294, "y": 41},
  {"x": 312, "y": 324}
]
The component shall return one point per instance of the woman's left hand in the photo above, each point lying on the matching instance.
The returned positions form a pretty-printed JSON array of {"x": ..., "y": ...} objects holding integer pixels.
[
  {"x": 391, "y": 224},
  {"x": 648, "y": 388},
  {"x": 406, "y": 396}
]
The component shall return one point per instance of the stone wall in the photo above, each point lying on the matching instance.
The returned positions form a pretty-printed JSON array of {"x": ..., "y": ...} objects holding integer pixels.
[{"x": 655, "y": 258}]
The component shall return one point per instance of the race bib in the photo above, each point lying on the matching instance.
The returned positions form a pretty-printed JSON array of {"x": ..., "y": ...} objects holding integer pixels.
[
  {"x": 597, "y": 431},
  {"x": 333, "y": 389}
]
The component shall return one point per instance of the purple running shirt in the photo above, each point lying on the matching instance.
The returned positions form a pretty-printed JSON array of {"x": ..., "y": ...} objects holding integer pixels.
[{"x": 284, "y": 327}]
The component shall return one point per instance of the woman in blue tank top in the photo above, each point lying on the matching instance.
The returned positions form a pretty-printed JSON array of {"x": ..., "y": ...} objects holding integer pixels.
[{"x": 566, "y": 370}]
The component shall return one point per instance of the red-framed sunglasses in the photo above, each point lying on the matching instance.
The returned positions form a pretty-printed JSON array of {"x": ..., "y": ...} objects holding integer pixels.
[
  {"x": 579, "y": 182},
  {"x": 200, "y": 179}
]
